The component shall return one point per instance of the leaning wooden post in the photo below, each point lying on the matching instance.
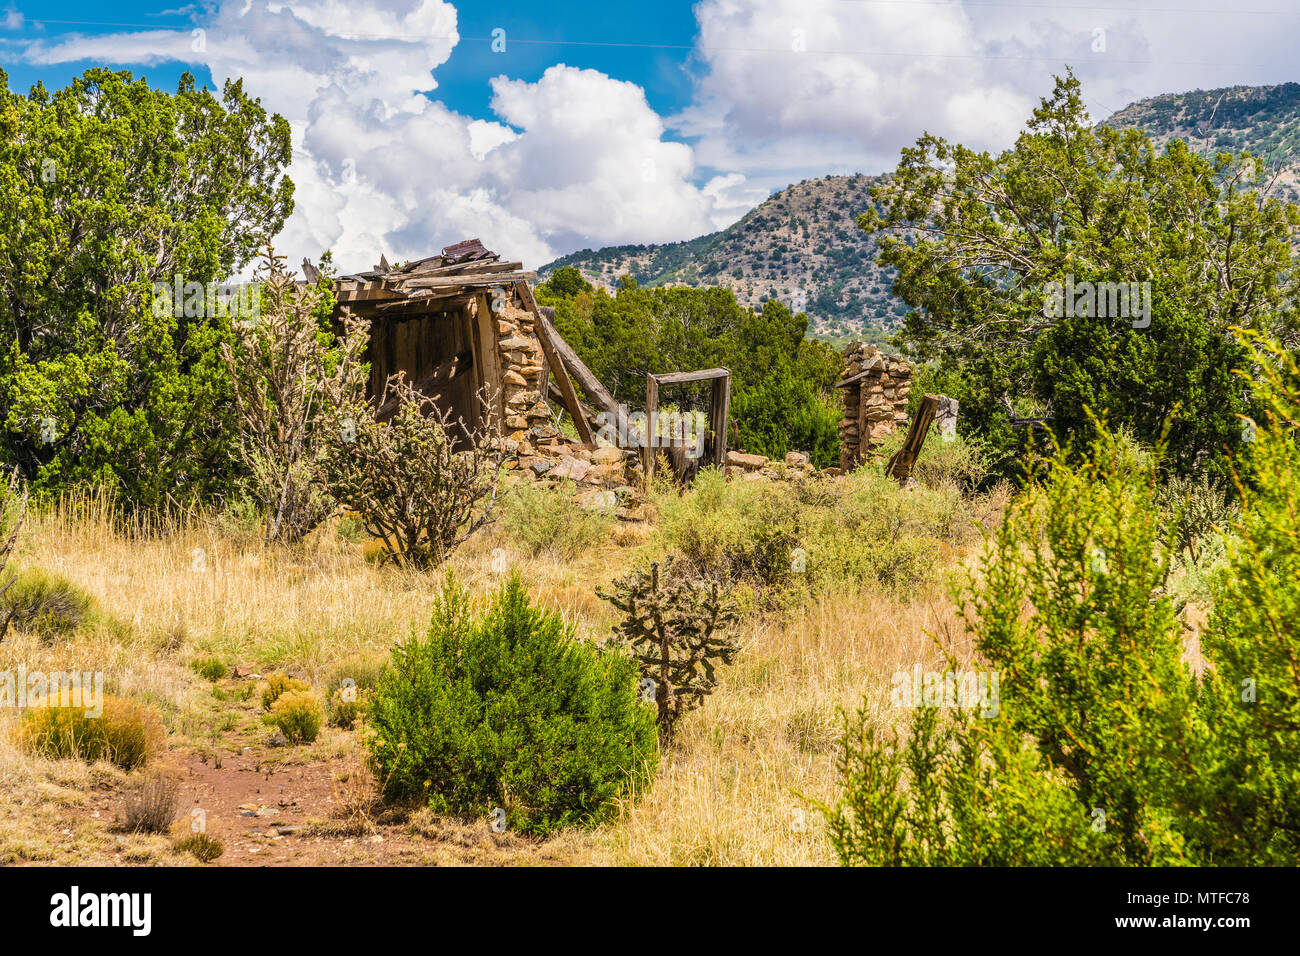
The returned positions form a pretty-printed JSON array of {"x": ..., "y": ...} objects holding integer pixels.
[
  {"x": 651, "y": 425},
  {"x": 545, "y": 336},
  {"x": 721, "y": 410},
  {"x": 900, "y": 464}
]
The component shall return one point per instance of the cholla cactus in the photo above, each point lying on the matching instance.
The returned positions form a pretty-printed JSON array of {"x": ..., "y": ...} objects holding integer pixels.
[
  {"x": 421, "y": 482},
  {"x": 676, "y": 628},
  {"x": 288, "y": 378}
]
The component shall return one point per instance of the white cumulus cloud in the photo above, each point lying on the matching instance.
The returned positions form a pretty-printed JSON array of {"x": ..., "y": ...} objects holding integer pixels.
[
  {"x": 783, "y": 90},
  {"x": 575, "y": 159}
]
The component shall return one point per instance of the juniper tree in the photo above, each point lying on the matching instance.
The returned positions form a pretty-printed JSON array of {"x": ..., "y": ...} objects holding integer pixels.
[
  {"x": 977, "y": 239},
  {"x": 109, "y": 186}
]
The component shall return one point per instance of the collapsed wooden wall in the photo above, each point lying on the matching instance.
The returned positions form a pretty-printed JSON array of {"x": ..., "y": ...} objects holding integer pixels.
[
  {"x": 485, "y": 367},
  {"x": 437, "y": 352}
]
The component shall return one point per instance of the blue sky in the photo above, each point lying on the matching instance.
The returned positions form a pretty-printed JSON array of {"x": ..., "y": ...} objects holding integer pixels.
[
  {"x": 606, "y": 123},
  {"x": 647, "y": 44}
]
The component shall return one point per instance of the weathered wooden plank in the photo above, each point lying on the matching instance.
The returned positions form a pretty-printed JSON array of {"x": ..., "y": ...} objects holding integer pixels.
[
  {"x": 458, "y": 269},
  {"x": 578, "y": 369},
  {"x": 551, "y": 342},
  {"x": 419, "y": 304},
  {"x": 369, "y": 293},
  {"x": 485, "y": 344},
  {"x": 900, "y": 465},
  {"x": 649, "y": 449},
  {"x": 679, "y": 378},
  {"x": 465, "y": 281},
  {"x": 467, "y": 249}
]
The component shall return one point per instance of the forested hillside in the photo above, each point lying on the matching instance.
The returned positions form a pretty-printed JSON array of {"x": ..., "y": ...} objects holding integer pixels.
[{"x": 802, "y": 244}]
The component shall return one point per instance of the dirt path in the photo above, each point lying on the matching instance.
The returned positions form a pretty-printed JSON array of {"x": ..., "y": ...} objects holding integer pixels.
[{"x": 272, "y": 810}]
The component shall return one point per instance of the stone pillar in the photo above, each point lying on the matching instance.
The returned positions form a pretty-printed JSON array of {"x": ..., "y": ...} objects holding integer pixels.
[
  {"x": 521, "y": 370},
  {"x": 875, "y": 387}
]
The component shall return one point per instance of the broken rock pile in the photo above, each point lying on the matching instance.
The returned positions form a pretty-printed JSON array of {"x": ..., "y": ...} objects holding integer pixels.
[{"x": 796, "y": 465}]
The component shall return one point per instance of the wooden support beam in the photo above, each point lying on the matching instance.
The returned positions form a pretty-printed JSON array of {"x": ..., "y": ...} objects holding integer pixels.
[
  {"x": 680, "y": 378},
  {"x": 422, "y": 305},
  {"x": 371, "y": 293},
  {"x": 551, "y": 348},
  {"x": 651, "y": 426},
  {"x": 423, "y": 270},
  {"x": 459, "y": 281},
  {"x": 900, "y": 465},
  {"x": 719, "y": 413}
]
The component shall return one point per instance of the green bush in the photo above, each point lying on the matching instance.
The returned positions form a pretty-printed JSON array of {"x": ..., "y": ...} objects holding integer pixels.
[
  {"x": 874, "y": 532},
  {"x": 1244, "y": 793},
  {"x": 944, "y": 462},
  {"x": 202, "y": 847},
  {"x": 549, "y": 520},
  {"x": 210, "y": 668},
  {"x": 346, "y": 705},
  {"x": 126, "y": 732},
  {"x": 509, "y": 710},
  {"x": 785, "y": 412},
  {"x": 1091, "y": 690},
  {"x": 817, "y": 536},
  {"x": 1104, "y": 747},
  {"x": 348, "y": 687},
  {"x": 733, "y": 530},
  {"x": 277, "y": 684},
  {"x": 298, "y": 715},
  {"x": 45, "y": 604}
]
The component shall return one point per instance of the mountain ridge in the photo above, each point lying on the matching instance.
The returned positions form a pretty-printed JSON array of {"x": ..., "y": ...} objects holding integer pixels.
[{"x": 802, "y": 244}]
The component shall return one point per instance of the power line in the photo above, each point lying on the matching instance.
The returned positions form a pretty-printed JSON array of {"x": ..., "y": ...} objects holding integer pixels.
[
  {"x": 1046, "y": 8},
  {"x": 703, "y": 49},
  {"x": 611, "y": 44}
]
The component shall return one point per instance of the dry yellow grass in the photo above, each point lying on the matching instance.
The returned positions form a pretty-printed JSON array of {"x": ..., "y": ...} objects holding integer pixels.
[{"x": 732, "y": 788}]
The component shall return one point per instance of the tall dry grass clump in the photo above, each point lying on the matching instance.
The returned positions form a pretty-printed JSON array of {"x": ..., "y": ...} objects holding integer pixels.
[{"x": 151, "y": 802}]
